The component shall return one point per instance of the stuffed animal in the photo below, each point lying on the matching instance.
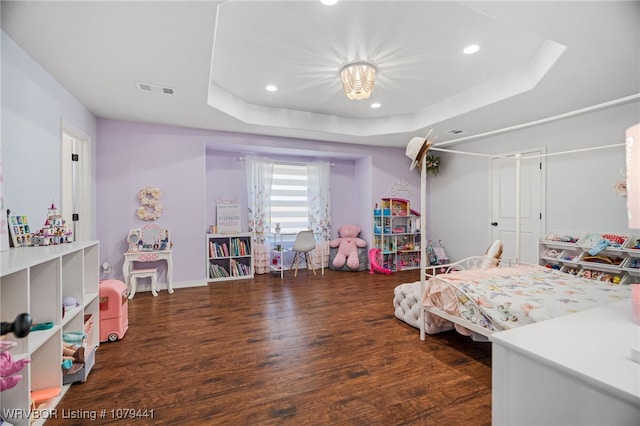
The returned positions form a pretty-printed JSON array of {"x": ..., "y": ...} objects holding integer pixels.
[
  {"x": 347, "y": 244},
  {"x": 8, "y": 369}
]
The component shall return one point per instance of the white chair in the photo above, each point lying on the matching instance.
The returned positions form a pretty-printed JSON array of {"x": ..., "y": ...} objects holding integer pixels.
[
  {"x": 305, "y": 242},
  {"x": 143, "y": 273}
]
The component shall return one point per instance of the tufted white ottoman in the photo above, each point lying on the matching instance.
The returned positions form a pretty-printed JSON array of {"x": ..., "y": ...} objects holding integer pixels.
[{"x": 406, "y": 301}]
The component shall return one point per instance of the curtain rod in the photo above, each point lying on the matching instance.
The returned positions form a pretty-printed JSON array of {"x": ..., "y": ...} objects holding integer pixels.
[{"x": 286, "y": 162}]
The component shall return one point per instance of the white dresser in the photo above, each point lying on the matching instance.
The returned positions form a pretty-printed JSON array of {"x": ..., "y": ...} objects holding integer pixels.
[{"x": 572, "y": 370}]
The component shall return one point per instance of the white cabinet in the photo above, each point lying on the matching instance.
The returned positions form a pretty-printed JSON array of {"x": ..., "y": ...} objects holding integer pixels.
[
  {"x": 568, "y": 251},
  {"x": 572, "y": 370},
  {"x": 35, "y": 280},
  {"x": 229, "y": 256}
]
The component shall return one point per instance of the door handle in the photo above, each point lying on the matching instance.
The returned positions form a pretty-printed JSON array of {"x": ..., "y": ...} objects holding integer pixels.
[{"x": 494, "y": 223}]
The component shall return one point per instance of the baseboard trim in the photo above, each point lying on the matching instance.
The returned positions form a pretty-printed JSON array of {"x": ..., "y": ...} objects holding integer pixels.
[{"x": 163, "y": 286}]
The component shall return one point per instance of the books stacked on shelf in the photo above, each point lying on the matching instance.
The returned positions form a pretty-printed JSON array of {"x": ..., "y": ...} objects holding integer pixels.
[
  {"x": 239, "y": 269},
  {"x": 239, "y": 247},
  {"x": 230, "y": 257},
  {"x": 218, "y": 249},
  {"x": 217, "y": 271}
]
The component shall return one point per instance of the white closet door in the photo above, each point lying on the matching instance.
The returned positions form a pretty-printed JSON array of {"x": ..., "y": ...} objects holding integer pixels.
[
  {"x": 76, "y": 193},
  {"x": 503, "y": 205}
]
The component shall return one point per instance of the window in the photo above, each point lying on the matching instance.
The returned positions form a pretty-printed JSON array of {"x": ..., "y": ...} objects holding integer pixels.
[
  {"x": 289, "y": 198},
  {"x": 295, "y": 195}
]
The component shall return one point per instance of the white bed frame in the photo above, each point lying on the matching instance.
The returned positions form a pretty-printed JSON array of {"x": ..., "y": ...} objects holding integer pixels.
[
  {"x": 425, "y": 268},
  {"x": 439, "y": 272}
]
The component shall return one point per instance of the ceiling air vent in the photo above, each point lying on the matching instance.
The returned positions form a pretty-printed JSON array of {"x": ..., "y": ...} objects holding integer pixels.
[
  {"x": 455, "y": 131},
  {"x": 155, "y": 88}
]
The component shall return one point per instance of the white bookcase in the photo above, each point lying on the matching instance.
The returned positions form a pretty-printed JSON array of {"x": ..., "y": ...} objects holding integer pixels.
[
  {"x": 35, "y": 280},
  {"x": 229, "y": 256}
]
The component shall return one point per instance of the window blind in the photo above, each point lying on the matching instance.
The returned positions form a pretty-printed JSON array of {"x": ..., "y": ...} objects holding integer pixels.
[{"x": 289, "y": 198}]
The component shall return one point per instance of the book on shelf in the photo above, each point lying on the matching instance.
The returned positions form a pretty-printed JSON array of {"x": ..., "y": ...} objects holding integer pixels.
[
  {"x": 217, "y": 271},
  {"x": 239, "y": 269},
  {"x": 239, "y": 247},
  {"x": 218, "y": 250}
]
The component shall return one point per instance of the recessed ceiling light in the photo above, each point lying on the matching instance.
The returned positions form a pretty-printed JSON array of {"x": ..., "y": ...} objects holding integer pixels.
[
  {"x": 328, "y": 2},
  {"x": 455, "y": 131},
  {"x": 376, "y": 105},
  {"x": 271, "y": 88},
  {"x": 473, "y": 48}
]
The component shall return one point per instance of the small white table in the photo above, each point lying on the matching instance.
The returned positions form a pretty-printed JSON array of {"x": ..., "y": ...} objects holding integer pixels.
[
  {"x": 147, "y": 256},
  {"x": 572, "y": 370}
]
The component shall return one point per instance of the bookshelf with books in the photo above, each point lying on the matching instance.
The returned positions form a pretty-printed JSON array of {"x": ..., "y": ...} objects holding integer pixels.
[{"x": 229, "y": 256}]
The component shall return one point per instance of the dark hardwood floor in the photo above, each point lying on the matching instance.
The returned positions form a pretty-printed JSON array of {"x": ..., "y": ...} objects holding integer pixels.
[{"x": 311, "y": 350}]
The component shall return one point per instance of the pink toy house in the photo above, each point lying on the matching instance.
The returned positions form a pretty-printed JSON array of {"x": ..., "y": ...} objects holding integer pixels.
[{"x": 114, "y": 310}]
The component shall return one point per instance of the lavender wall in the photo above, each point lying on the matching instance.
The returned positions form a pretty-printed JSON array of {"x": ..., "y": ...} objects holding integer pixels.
[
  {"x": 34, "y": 106},
  {"x": 361, "y": 174},
  {"x": 226, "y": 179},
  {"x": 133, "y": 156},
  {"x": 196, "y": 167},
  {"x": 579, "y": 186}
]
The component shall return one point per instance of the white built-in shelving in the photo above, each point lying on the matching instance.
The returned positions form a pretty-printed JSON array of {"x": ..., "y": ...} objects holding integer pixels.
[
  {"x": 568, "y": 251},
  {"x": 35, "y": 280}
]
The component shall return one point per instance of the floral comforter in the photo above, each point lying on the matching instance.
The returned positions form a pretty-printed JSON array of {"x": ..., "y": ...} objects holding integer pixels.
[{"x": 507, "y": 297}]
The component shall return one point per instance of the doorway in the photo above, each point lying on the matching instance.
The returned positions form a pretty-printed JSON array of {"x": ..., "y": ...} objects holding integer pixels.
[
  {"x": 503, "y": 203},
  {"x": 75, "y": 204}
]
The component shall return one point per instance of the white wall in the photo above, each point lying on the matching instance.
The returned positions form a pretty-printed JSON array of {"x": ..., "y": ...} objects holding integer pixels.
[
  {"x": 33, "y": 108},
  {"x": 579, "y": 187}
]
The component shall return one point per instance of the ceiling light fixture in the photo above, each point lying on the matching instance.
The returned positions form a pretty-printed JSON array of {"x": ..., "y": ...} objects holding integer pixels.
[
  {"x": 271, "y": 88},
  {"x": 358, "y": 80},
  {"x": 328, "y": 2},
  {"x": 473, "y": 48},
  {"x": 376, "y": 105}
]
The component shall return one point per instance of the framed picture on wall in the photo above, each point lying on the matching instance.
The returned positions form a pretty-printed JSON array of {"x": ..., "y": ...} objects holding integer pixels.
[
  {"x": 228, "y": 218},
  {"x": 20, "y": 230}
]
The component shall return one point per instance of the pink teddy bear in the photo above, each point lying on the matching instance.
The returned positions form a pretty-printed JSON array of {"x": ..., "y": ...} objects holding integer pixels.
[{"x": 347, "y": 246}]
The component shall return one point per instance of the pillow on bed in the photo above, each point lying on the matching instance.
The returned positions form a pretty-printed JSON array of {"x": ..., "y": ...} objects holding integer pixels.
[{"x": 493, "y": 252}]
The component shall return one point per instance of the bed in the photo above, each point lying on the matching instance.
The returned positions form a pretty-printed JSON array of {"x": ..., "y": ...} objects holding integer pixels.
[
  {"x": 480, "y": 301},
  {"x": 407, "y": 297}
]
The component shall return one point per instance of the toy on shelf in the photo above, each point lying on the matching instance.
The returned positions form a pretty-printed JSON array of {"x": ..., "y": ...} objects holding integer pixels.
[
  {"x": 9, "y": 367},
  {"x": 397, "y": 207},
  {"x": 19, "y": 230},
  {"x": 55, "y": 230}
]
